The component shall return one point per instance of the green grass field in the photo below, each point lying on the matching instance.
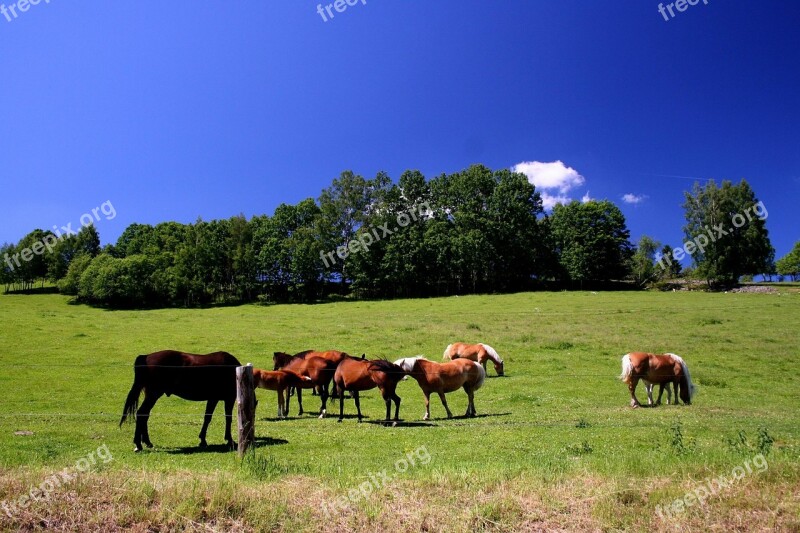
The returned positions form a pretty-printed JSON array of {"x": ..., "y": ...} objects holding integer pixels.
[{"x": 555, "y": 446}]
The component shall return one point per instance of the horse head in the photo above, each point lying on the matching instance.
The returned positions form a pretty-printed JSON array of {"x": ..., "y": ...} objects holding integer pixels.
[
  {"x": 498, "y": 367},
  {"x": 280, "y": 359},
  {"x": 685, "y": 391}
]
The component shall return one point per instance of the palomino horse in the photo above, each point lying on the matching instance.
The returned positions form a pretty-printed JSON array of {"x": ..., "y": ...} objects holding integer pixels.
[
  {"x": 279, "y": 381},
  {"x": 319, "y": 369},
  {"x": 355, "y": 375},
  {"x": 663, "y": 370},
  {"x": 210, "y": 378},
  {"x": 474, "y": 352},
  {"x": 445, "y": 377}
]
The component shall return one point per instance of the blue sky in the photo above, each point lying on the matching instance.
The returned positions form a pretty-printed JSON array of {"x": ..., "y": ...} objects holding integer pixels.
[{"x": 179, "y": 110}]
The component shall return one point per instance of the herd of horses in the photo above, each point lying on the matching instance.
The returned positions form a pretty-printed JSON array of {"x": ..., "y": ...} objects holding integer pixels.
[{"x": 331, "y": 374}]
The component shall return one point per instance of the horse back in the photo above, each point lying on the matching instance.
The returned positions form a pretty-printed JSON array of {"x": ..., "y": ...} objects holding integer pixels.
[
  {"x": 354, "y": 373},
  {"x": 192, "y": 376},
  {"x": 656, "y": 368}
]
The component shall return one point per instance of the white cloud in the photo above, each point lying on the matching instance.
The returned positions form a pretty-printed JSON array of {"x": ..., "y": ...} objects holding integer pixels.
[
  {"x": 586, "y": 198},
  {"x": 553, "y": 175},
  {"x": 549, "y": 201},
  {"x": 631, "y": 198}
]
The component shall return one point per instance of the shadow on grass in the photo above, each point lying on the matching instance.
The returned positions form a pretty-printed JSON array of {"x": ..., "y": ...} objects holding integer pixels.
[
  {"x": 486, "y": 415},
  {"x": 219, "y": 448},
  {"x": 400, "y": 424},
  {"x": 191, "y": 450},
  {"x": 269, "y": 441}
]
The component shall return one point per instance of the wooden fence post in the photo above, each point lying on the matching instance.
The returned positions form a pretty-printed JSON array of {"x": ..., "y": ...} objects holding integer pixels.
[{"x": 246, "y": 400}]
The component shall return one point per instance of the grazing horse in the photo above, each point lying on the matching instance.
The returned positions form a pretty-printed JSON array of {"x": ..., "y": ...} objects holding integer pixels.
[
  {"x": 320, "y": 371},
  {"x": 279, "y": 381},
  {"x": 445, "y": 377},
  {"x": 355, "y": 375},
  {"x": 653, "y": 369},
  {"x": 210, "y": 378},
  {"x": 474, "y": 352}
]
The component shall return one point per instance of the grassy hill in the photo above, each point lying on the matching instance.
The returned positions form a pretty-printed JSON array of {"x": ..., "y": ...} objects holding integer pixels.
[{"x": 555, "y": 444}]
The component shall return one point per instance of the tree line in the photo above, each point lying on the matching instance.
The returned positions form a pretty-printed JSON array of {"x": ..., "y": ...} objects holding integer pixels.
[{"x": 474, "y": 231}]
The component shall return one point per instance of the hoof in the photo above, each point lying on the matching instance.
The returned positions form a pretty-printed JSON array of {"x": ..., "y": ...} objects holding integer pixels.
[
  {"x": 321, "y": 416},
  {"x": 203, "y": 444},
  {"x": 148, "y": 444},
  {"x": 339, "y": 420},
  {"x": 137, "y": 449},
  {"x": 426, "y": 417}
]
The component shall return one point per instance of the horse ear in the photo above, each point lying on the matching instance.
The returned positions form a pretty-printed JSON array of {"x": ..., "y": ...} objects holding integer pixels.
[{"x": 363, "y": 356}]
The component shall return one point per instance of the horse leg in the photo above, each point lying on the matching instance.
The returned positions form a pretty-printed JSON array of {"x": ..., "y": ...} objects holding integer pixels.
[
  {"x": 396, "y": 405},
  {"x": 281, "y": 402},
  {"x": 387, "y": 399},
  {"x": 300, "y": 400},
  {"x": 444, "y": 403},
  {"x": 427, "y": 405},
  {"x": 358, "y": 404},
  {"x": 228, "y": 420},
  {"x": 648, "y": 387},
  {"x": 632, "y": 388},
  {"x": 341, "y": 403},
  {"x": 142, "y": 434},
  {"x": 660, "y": 392},
  {"x": 323, "y": 392},
  {"x": 675, "y": 387},
  {"x": 210, "y": 406},
  {"x": 471, "y": 403}
]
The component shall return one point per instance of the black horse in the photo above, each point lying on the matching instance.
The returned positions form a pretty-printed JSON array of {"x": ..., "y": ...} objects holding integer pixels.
[{"x": 210, "y": 378}]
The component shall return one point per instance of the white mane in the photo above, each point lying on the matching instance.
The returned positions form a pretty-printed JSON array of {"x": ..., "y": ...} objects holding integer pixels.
[
  {"x": 407, "y": 363},
  {"x": 493, "y": 355},
  {"x": 685, "y": 371}
]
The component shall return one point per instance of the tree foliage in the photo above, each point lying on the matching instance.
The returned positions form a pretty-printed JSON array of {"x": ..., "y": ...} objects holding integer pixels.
[
  {"x": 732, "y": 220},
  {"x": 591, "y": 241},
  {"x": 472, "y": 231},
  {"x": 789, "y": 265}
]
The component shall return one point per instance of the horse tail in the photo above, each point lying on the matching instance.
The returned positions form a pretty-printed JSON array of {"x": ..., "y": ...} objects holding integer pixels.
[
  {"x": 493, "y": 355},
  {"x": 132, "y": 402},
  {"x": 627, "y": 368},
  {"x": 689, "y": 385},
  {"x": 446, "y": 355},
  {"x": 481, "y": 376}
]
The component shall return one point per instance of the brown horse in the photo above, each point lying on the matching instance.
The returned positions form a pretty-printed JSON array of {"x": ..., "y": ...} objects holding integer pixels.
[
  {"x": 320, "y": 371},
  {"x": 475, "y": 352},
  {"x": 355, "y": 375},
  {"x": 210, "y": 378},
  {"x": 279, "y": 381},
  {"x": 663, "y": 370},
  {"x": 442, "y": 378}
]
